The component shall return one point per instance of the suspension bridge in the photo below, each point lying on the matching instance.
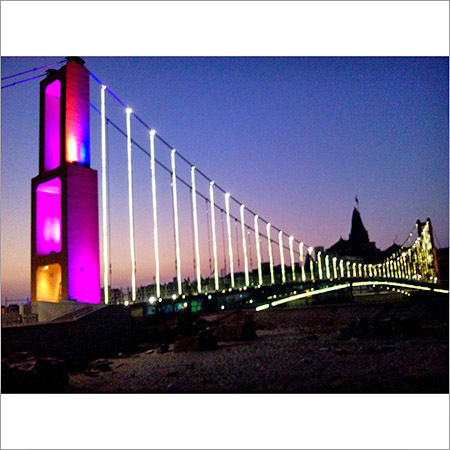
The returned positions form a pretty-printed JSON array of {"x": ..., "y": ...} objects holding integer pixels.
[{"x": 60, "y": 210}]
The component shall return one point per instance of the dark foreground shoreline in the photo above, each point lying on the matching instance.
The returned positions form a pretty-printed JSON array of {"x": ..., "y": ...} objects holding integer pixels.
[{"x": 379, "y": 345}]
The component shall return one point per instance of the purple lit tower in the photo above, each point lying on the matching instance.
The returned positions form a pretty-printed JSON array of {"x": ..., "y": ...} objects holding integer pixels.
[{"x": 64, "y": 222}]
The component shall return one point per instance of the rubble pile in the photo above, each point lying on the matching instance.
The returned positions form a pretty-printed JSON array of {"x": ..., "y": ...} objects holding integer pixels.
[{"x": 25, "y": 373}]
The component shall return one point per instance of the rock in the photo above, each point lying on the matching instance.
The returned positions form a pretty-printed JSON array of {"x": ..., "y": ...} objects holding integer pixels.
[
  {"x": 341, "y": 335},
  {"x": 172, "y": 387},
  {"x": 312, "y": 337},
  {"x": 237, "y": 327},
  {"x": 163, "y": 348},
  {"x": 35, "y": 375},
  {"x": 389, "y": 348},
  {"x": 100, "y": 365},
  {"x": 409, "y": 326},
  {"x": 18, "y": 357},
  {"x": 206, "y": 340},
  {"x": 187, "y": 344},
  {"x": 248, "y": 330},
  {"x": 362, "y": 325},
  {"x": 374, "y": 350},
  {"x": 340, "y": 351}
]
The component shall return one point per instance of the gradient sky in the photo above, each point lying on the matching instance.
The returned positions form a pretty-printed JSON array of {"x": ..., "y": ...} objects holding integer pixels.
[{"x": 293, "y": 138}]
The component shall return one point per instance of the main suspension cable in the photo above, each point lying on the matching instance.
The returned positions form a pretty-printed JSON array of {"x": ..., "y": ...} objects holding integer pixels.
[
  {"x": 24, "y": 81},
  {"x": 34, "y": 69}
]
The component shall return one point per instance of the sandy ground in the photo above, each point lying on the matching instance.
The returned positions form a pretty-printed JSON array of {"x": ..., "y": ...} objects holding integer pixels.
[{"x": 297, "y": 350}]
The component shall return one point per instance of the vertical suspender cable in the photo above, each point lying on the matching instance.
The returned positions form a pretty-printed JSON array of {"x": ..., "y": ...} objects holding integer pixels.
[
  {"x": 209, "y": 240},
  {"x": 131, "y": 207},
  {"x": 194, "y": 216},
  {"x": 291, "y": 252},
  {"x": 269, "y": 248},
  {"x": 250, "y": 252},
  {"x": 224, "y": 250},
  {"x": 244, "y": 246},
  {"x": 230, "y": 245},
  {"x": 109, "y": 210},
  {"x": 311, "y": 262},
  {"x": 155, "y": 217},
  {"x": 335, "y": 274},
  {"x": 106, "y": 281},
  {"x": 175, "y": 221},
  {"x": 319, "y": 264},
  {"x": 213, "y": 229},
  {"x": 238, "y": 253},
  {"x": 302, "y": 261},
  {"x": 327, "y": 266},
  {"x": 258, "y": 250},
  {"x": 283, "y": 271}
]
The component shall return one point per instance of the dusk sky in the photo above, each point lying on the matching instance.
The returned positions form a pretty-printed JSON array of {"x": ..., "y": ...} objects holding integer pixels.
[{"x": 293, "y": 138}]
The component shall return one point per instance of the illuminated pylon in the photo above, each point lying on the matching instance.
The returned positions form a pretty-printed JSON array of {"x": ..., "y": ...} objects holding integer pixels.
[{"x": 64, "y": 221}]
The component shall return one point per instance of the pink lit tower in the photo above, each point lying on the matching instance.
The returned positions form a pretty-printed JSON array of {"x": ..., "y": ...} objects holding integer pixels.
[{"x": 64, "y": 221}]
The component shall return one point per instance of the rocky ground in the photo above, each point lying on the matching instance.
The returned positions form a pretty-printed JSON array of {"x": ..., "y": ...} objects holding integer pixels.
[{"x": 381, "y": 344}]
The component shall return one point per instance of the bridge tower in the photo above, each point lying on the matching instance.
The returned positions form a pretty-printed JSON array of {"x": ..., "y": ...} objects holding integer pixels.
[
  {"x": 64, "y": 220},
  {"x": 420, "y": 227}
]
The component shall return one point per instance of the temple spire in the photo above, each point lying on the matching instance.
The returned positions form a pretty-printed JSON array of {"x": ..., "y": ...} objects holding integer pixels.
[{"x": 358, "y": 233}]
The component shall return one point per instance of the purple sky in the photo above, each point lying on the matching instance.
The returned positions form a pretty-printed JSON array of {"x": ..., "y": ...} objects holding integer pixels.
[{"x": 293, "y": 138}]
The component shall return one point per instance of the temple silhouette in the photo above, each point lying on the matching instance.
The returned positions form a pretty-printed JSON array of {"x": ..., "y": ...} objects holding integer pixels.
[{"x": 358, "y": 245}]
